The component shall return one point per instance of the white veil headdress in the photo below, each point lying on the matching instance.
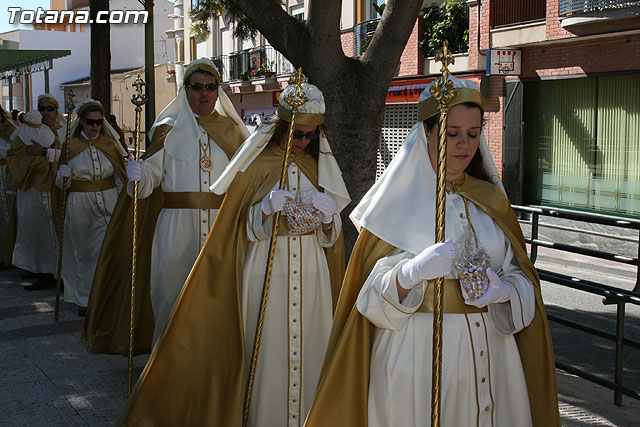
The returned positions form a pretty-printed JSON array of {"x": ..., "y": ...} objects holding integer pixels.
[
  {"x": 400, "y": 207},
  {"x": 179, "y": 115},
  {"x": 310, "y": 113},
  {"x": 33, "y": 128},
  {"x": 106, "y": 129}
]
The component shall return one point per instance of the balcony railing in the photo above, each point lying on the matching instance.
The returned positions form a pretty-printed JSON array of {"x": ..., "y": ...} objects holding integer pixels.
[
  {"x": 515, "y": 12},
  {"x": 362, "y": 34},
  {"x": 567, "y": 7},
  {"x": 255, "y": 63}
]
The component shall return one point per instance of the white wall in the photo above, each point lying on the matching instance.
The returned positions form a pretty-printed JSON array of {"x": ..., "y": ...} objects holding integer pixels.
[
  {"x": 68, "y": 68},
  {"x": 127, "y": 40}
]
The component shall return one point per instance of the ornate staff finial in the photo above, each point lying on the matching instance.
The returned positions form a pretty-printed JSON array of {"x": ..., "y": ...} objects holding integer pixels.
[
  {"x": 69, "y": 105},
  {"x": 444, "y": 96},
  {"x": 298, "y": 98},
  {"x": 140, "y": 97}
]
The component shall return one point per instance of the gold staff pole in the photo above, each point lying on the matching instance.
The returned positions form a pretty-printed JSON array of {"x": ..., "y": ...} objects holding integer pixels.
[
  {"x": 443, "y": 92},
  {"x": 63, "y": 208},
  {"x": 296, "y": 100},
  {"x": 138, "y": 99}
]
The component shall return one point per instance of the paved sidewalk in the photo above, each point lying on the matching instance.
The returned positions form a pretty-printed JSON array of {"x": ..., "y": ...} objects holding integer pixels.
[{"x": 47, "y": 378}]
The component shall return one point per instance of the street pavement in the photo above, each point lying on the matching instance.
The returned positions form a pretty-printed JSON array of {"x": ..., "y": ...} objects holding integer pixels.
[{"x": 47, "y": 378}]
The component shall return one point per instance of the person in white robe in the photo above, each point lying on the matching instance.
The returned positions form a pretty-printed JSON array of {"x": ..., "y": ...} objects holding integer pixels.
[
  {"x": 205, "y": 132},
  {"x": 483, "y": 382},
  {"x": 299, "y": 310},
  {"x": 33, "y": 163},
  {"x": 95, "y": 173},
  {"x": 217, "y": 313}
]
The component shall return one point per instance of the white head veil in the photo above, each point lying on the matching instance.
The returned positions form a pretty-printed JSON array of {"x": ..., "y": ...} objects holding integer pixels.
[
  {"x": 179, "y": 115},
  {"x": 106, "y": 128},
  {"x": 400, "y": 207},
  {"x": 32, "y": 128},
  {"x": 310, "y": 113}
]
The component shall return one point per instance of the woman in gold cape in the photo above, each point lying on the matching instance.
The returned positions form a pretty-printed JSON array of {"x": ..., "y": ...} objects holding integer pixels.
[
  {"x": 202, "y": 360},
  {"x": 363, "y": 363},
  {"x": 96, "y": 172}
]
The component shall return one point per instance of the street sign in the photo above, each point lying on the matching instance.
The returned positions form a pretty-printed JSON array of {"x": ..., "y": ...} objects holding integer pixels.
[{"x": 504, "y": 62}]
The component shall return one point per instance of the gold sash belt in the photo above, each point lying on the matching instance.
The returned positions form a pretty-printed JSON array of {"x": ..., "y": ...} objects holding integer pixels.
[
  {"x": 452, "y": 301},
  {"x": 192, "y": 200},
  {"x": 80, "y": 186},
  {"x": 3, "y": 162}
]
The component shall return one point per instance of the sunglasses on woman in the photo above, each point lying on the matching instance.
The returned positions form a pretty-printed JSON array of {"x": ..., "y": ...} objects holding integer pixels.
[
  {"x": 48, "y": 108},
  {"x": 92, "y": 122},
  {"x": 210, "y": 87},
  {"x": 298, "y": 134}
]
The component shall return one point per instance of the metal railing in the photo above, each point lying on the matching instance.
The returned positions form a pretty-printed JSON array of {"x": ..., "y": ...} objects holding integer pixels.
[
  {"x": 254, "y": 63},
  {"x": 612, "y": 295},
  {"x": 362, "y": 34},
  {"x": 567, "y": 7},
  {"x": 514, "y": 12}
]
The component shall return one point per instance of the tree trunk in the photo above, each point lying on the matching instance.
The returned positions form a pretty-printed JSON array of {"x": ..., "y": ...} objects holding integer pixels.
[{"x": 100, "y": 56}]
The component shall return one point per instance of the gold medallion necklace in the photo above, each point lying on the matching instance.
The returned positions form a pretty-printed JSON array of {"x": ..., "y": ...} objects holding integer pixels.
[{"x": 205, "y": 161}]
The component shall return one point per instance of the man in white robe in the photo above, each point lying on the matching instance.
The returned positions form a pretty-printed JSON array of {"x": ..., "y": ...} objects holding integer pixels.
[{"x": 205, "y": 132}]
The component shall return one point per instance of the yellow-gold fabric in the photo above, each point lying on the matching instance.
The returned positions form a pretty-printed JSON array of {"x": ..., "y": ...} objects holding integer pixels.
[
  {"x": 200, "y": 359},
  {"x": 342, "y": 393},
  {"x": 106, "y": 326}
]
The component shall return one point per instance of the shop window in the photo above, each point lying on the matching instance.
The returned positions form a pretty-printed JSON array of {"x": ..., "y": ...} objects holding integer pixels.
[{"x": 582, "y": 143}]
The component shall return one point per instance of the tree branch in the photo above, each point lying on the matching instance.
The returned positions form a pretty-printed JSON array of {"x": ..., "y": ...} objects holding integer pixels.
[
  {"x": 283, "y": 32},
  {"x": 323, "y": 22},
  {"x": 391, "y": 35}
]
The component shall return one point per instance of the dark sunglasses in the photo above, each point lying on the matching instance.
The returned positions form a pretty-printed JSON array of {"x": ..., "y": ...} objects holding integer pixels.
[
  {"x": 210, "y": 87},
  {"x": 298, "y": 134},
  {"x": 92, "y": 122},
  {"x": 49, "y": 108}
]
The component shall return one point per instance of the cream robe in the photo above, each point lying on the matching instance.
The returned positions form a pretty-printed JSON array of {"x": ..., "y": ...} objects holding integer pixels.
[
  {"x": 483, "y": 382},
  {"x": 86, "y": 220},
  {"x": 298, "y": 315},
  {"x": 4, "y": 201},
  {"x": 179, "y": 233},
  {"x": 36, "y": 248}
]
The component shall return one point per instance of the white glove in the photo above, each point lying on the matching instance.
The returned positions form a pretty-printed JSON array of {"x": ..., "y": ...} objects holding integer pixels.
[
  {"x": 434, "y": 261},
  {"x": 64, "y": 171},
  {"x": 498, "y": 292},
  {"x": 134, "y": 170},
  {"x": 325, "y": 204},
  {"x": 274, "y": 201}
]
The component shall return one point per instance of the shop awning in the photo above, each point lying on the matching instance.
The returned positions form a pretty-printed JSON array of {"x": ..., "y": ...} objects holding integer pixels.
[{"x": 19, "y": 61}]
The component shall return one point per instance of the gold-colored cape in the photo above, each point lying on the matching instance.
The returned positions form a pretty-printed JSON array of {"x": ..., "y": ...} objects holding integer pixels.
[
  {"x": 196, "y": 373},
  {"x": 32, "y": 171},
  {"x": 106, "y": 325},
  {"x": 342, "y": 393},
  {"x": 77, "y": 145},
  {"x": 11, "y": 231}
]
